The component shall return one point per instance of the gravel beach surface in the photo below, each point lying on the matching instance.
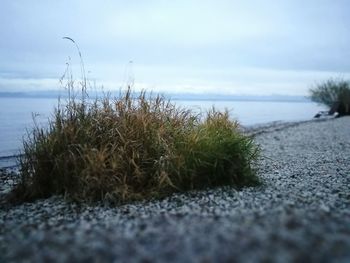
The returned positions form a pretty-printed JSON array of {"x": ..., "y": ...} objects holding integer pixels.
[{"x": 301, "y": 213}]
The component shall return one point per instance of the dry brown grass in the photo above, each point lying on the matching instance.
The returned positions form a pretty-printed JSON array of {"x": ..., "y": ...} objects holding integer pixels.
[
  {"x": 127, "y": 148},
  {"x": 130, "y": 148}
]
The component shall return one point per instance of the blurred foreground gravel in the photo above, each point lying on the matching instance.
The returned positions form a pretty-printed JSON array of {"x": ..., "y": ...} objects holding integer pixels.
[{"x": 300, "y": 214}]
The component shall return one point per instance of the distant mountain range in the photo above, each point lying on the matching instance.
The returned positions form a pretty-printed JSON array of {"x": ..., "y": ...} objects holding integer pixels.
[
  {"x": 221, "y": 97},
  {"x": 31, "y": 94},
  {"x": 172, "y": 96}
]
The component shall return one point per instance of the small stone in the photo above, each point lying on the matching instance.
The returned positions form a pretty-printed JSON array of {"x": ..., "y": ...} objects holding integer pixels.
[{"x": 324, "y": 208}]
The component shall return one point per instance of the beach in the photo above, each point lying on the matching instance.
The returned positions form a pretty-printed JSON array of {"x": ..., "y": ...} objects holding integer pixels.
[{"x": 300, "y": 213}]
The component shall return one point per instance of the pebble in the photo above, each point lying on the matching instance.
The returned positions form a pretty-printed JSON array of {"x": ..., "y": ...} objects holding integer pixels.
[{"x": 299, "y": 214}]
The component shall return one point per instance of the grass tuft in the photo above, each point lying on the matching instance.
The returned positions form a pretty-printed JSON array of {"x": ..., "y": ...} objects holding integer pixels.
[
  {"x": 334, "y": 93},
  {"x": 132, "y": 148}
]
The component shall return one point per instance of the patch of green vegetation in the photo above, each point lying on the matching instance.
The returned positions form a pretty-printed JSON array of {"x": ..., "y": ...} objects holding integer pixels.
[
  {"x": 335, "y": 94},
  {"x": 133, "y": 148}
]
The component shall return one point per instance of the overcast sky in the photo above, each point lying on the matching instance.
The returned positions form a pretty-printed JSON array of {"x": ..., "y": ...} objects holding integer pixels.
[{"x": 233, "y": 47}]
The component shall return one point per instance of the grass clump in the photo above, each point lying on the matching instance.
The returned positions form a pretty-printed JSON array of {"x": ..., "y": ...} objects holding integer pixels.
[
  {"x": 132, "y": 148},
  {"x": 335, "y": 94}
]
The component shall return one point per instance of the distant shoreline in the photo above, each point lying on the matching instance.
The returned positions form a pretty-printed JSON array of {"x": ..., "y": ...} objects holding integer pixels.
[
  {"x": 256, "y": 129},
  {"x": 54, "y": 94}
]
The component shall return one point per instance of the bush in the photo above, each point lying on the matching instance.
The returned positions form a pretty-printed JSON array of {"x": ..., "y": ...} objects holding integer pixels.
[
  {"x": 132, "y": 148},
  {"x": 335, "y": 94}
]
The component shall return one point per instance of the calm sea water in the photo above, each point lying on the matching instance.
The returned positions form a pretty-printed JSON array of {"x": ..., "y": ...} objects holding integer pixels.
[{"x": 16, "y": 115}]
